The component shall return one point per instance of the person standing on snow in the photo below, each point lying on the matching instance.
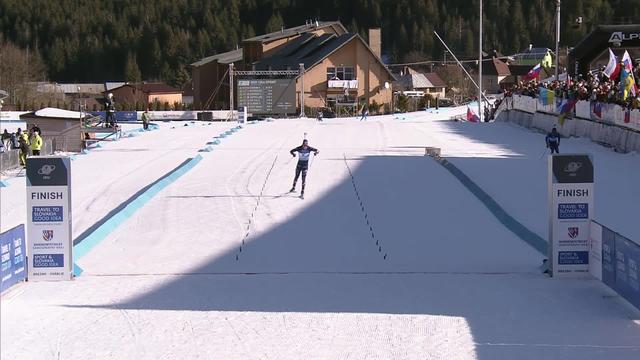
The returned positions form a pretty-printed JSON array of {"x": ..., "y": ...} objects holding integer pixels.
[
  {"x": 36, "y": 143},
  {"x": 553, "y": 140},
  {"x": 145, "y": 119},
  {"x": 304, "y": 151}
]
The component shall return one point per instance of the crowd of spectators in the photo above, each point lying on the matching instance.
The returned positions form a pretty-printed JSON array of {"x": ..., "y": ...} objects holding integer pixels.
[{"x": 593, "y": 87}]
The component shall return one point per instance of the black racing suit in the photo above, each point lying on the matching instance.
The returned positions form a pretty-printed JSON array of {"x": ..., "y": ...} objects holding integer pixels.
[{"x": 303, "y": 163}]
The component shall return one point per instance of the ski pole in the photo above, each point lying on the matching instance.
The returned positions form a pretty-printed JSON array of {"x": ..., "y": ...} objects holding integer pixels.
[{"x": 542, "y": 156}]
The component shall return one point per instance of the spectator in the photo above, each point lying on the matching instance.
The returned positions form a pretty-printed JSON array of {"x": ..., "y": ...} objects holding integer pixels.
[
  {"x": 23, "y": 145},
  {"x": 6, "y": 140},
  {"x": 36, "y": 143},
  {"x": 145, "y": 119}
]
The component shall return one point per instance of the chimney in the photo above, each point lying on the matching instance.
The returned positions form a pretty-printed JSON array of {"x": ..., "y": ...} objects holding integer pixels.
[{"x": 375, "y": 41}]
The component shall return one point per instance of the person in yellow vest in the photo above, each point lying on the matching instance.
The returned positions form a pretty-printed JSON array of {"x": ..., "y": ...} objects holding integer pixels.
[
  {"x": 36, "y": 143},
  {"x": 23, "y": 145}
]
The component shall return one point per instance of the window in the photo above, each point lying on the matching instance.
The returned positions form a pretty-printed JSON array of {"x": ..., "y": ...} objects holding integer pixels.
[
  {"x": 342, "y": 73},
  {"x": 331, "y": 73}
]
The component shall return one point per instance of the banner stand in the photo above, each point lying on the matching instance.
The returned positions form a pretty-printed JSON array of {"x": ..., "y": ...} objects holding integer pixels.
[{"x": 49, "y": 235}]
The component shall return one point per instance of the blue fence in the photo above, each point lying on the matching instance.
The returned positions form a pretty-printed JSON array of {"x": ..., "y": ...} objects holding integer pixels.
[
  {"x": 12, "y": 250},
  {"x": 621, "y": 265}
]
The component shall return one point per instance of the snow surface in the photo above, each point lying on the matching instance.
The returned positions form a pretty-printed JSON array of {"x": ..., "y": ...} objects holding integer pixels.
[{"x": 224, "y": 263}]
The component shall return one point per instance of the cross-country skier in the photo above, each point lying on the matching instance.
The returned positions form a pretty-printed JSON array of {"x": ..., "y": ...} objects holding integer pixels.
[
  {"x": 303, "y": 151},
  {"x": 553, "y": 140}
]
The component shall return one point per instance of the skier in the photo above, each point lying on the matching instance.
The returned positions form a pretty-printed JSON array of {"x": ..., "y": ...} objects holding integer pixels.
[
  {"x": 319, "y": 116},
  {"x": 553, "y": 140},
  {"x": 303, "y": 151},
  {"x": 365, "y": 113}
]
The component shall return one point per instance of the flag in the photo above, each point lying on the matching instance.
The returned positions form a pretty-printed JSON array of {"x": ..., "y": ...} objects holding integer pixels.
[
  {"x": 547, "y": 62},
  {"x": 597, "y": 109},
  {"x": 613, "y": 68},
  {"x": 627, "y": 116},
  {"x": 471, "y": 116},
  {"x": 627, "y": 80},
  {"x": 546, "y": 96},
  {"x": 534, "y": 73},
  {"x": 565, "y": 109}
]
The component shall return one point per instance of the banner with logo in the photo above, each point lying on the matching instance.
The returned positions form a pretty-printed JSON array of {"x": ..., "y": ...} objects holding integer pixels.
[
  {"x": 49, "y": 218},
  {"x": 571, "y": 210},
  {"x": 12, "y": 250}
]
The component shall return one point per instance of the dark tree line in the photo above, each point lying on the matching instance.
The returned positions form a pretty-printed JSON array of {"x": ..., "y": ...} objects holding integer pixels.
[{"x": 95, "y": 41}]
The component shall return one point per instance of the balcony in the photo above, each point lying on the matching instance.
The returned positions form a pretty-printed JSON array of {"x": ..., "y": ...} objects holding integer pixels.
[{"x": 342, "y": 84}]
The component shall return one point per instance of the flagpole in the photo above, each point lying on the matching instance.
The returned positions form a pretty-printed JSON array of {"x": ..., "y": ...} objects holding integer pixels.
[
  {"x": 480, "y": 69},
  {"x": 557, "y": 36}
]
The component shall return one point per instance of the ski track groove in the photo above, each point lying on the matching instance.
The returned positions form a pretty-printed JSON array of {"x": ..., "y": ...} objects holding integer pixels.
[
  {"x": 238, "y": 174},
  {"x": 377, "y": 241}
]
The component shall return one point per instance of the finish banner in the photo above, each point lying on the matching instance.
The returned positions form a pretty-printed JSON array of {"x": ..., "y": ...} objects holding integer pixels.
[
  {"x": 49, "y": 241},
  {"x": 571, "y": 210}
]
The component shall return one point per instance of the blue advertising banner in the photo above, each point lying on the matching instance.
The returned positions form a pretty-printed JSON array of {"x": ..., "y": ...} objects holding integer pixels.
[
  {"x": 608, "y": 257},
  {"x": 123, "y": 116},
  {"x": 12, "y": 252},
  {"x": 627, "y": 269}
]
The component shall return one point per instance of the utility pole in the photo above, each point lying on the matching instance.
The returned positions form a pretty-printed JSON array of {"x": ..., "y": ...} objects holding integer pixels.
[
  {"x": 231, "y": 106},
  {"x": 480, "y": 69},
  {"x": 557, "y": 37},
  {"x": 301, "y": 89}
]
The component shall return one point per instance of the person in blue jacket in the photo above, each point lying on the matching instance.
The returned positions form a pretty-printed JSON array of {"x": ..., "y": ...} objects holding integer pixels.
[
  {"x": 304, "y": 151},
  {"x": 553, "y": 140}
]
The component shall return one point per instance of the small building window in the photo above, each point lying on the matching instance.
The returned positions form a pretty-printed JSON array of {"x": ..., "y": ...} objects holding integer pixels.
[
  {"x": 331, "y": 73},
  {"x": 341, "y": 73}
]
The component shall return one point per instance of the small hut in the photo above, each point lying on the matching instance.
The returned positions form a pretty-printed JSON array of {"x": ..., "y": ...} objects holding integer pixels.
[{"x": 63, "y": 127}]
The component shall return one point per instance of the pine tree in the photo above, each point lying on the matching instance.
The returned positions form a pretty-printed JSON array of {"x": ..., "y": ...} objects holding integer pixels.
[{"x": 132, "y": 71}]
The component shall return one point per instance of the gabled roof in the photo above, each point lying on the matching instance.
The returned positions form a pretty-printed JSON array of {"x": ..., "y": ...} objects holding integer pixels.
[
  {"x": 222, "y": 58},
  {"x": 309, "y": 49},
  {"x": 297, "y": 30}
]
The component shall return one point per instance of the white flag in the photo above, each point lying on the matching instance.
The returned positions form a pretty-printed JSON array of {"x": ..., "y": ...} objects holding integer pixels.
[{"x": 612, "y": 67}]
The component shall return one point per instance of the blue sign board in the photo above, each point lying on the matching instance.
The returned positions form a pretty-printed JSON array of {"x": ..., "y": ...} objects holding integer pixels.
[
  {"x": 46, "y": 214},
  {"x": 573, "y": 257},
  {"x": 121, "y": 116},
  {"x": 573, "y": 211},
  {"x": 12, "y": 252}
]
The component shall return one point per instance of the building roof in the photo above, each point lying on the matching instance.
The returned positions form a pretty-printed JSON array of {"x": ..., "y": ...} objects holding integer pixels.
[
  {"x": 495, "y": 67},
  {"x": 309, "y": 49},
  {"x": 70, "y": 88},
  {"x": 415, "y": 80},
  {"x": 112, "y": 85},
  {"x": 435, "y": 80},
  {"x": 222, "y": 58},
  {"x": 297, "y": 30},
  {"x": 55, "y": 113},
  {"x": 153, "y": 88}
]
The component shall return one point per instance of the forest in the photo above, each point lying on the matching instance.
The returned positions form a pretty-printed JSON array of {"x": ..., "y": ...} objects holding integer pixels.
[{"x": 111, "y": 40}]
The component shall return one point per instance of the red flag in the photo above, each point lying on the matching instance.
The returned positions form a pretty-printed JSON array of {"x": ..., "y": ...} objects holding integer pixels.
[
  {"x": 613, "y": 67},
  {"x": 471, "y": 116}
]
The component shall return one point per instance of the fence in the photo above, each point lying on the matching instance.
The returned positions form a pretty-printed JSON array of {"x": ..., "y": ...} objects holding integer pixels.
[
  {"x": 610, "y": 114},
  {"x": 11, "y": 159},
  {"x": 615, "y": 260},
  {"x": 613, "y": 132}
]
